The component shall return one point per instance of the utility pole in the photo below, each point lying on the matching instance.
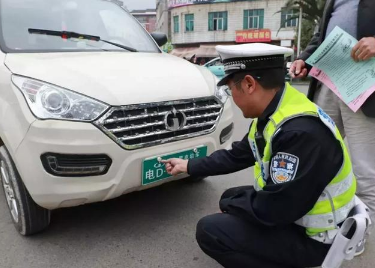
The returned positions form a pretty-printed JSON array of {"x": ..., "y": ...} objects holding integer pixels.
[{"x": 299, "y": 31}]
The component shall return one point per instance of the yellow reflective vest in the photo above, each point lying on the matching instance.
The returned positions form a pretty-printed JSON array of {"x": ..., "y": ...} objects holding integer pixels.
[{"x": 336, "y": 201}]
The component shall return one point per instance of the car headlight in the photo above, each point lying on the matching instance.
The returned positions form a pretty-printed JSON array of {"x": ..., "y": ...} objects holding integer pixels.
[
  {"x": 221, "y": 93},
  {"x": 47, "y": 101}
]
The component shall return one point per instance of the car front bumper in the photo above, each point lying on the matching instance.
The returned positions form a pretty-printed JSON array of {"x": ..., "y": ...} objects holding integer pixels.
[{"x": 124, "y": 175}]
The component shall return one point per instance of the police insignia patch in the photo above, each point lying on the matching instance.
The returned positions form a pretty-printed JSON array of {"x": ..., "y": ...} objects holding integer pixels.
[
  {"x": 284, "y": 167},
  {"x": 326, "y": 119}
]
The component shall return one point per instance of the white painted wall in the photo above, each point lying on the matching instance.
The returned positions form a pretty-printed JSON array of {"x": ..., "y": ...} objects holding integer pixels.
[{"x": 272, "y": 21}]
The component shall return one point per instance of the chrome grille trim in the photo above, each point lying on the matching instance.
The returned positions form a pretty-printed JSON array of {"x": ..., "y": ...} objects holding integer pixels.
[
  {"x": 166, "y": 131},
  {"x": 200, "y": 108},
  {"x": 132, "y": 117},
  {"x": 203, "y": 116},
  {"x": 144, "y": 125},
  {"x": 121, "y": 129}
]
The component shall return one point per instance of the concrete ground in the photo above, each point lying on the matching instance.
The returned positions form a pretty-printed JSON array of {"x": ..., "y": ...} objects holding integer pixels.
[{"x": 150, "y": 229}]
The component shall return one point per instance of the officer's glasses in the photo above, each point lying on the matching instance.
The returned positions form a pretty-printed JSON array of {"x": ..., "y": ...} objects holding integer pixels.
[{"x": 228, "y": 90}]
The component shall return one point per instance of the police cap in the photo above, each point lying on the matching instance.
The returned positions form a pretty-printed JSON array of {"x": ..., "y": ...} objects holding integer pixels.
[{"x": 251, "y": 57}]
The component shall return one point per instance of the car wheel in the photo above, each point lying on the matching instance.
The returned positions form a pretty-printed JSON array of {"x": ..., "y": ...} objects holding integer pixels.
[
  {"x": 196, "y": 179},
  {"x": 28, "y": 217}
]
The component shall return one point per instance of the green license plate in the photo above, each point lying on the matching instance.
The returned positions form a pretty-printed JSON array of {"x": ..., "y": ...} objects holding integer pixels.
[{"x": 153, "y": 170}]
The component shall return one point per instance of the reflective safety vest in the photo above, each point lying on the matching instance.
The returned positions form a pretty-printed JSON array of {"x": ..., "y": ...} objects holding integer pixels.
[{"x": 336, "y": 201}]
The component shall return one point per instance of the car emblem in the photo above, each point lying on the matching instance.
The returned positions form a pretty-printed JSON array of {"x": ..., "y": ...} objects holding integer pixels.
[{"x": 175, "y": 120}]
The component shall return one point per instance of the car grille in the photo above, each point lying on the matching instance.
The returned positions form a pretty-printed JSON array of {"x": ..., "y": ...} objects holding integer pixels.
[{"x": 144, "y": 125}]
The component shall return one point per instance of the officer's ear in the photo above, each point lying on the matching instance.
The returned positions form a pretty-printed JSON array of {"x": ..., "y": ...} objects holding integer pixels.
[{"x": 250, "y": 84}]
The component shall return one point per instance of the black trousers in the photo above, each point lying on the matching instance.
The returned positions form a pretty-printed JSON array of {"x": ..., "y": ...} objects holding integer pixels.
[{"x": 236, "y": 243}]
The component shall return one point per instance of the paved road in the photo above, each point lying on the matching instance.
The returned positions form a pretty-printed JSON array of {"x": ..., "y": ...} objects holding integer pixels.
[{"x": 152, "y": 229}]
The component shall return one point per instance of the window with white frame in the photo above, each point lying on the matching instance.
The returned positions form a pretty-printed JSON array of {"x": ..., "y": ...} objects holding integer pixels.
[
  {"x": 288, "y": 18},
  {"x": 253, "y": 19},
  {"x": 176, "y": 24},
  {"x": 189, "y": 23},
  {"x": 218, "y": 21}
]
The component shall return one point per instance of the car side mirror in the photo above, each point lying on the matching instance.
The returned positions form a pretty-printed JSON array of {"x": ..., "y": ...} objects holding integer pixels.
[{"x": 160, "y": 38}]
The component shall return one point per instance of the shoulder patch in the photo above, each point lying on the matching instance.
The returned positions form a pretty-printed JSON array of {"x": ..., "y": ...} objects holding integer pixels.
[
  {"x": 284, "y": 167},
  {"x": 326, "y": 119}
]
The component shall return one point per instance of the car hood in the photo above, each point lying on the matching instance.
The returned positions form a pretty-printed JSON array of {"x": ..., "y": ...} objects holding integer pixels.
[{"x": 117, "y": 78}]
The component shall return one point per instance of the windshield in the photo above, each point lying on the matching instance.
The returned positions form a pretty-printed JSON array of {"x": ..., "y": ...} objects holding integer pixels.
[{"x": 90, "y": 17}]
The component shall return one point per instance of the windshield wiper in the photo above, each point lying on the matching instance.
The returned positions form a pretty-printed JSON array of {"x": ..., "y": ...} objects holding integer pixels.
[{"x": 69, "y": 35}]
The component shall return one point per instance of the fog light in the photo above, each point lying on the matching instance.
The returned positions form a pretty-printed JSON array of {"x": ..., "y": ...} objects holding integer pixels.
[
  {"x": 63, "y": 165},
  {"x": 226, "y": 134}
]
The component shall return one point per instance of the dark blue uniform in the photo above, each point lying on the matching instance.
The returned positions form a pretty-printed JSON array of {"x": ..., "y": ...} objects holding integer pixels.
[{"x": 257, "y": 228}]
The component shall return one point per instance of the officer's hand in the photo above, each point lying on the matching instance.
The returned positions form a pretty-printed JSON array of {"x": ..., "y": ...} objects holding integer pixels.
[
  {"x": 175, "y": 166},
  {"x": 364, "y": 49},
  {"x": 298, "y": 69}
]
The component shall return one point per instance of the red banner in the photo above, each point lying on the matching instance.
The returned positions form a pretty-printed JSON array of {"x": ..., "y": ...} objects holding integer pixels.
[{"x": 253, "y": 36}]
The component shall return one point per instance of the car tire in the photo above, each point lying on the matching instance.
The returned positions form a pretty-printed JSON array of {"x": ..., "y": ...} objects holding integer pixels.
[
  {"x": 28, "y": 217},
  {"x": 196, "y": 179}
]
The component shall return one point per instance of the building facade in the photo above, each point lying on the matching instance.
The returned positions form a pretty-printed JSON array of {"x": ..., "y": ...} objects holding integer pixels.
[
  {"x": 147, "y": 18},
  {"x": 163, "y": 21},
  {"x": 206, "y": 23}
]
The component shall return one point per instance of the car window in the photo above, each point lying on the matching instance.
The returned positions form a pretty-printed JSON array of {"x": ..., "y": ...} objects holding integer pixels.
[{"x": 91, "y": 17}]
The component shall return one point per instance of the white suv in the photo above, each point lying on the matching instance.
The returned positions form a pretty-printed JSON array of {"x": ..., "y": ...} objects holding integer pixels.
[{"x": 90, "y": 104}]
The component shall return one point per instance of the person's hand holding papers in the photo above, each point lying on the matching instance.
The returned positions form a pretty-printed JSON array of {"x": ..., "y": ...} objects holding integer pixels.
[
  {"x": 298, "y": 69},
  {"x": 364, "y": 49}
]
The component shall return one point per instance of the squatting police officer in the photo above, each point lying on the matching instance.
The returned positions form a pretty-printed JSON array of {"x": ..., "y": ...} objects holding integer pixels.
[{"x": 304, "y": 184}]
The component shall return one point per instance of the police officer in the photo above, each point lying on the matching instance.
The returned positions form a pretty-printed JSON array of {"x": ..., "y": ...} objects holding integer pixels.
[{"x": 304, "y": 185}]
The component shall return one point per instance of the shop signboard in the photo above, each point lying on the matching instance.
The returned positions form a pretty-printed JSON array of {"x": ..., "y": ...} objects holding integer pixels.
[{"x": 253, "y": 36}]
